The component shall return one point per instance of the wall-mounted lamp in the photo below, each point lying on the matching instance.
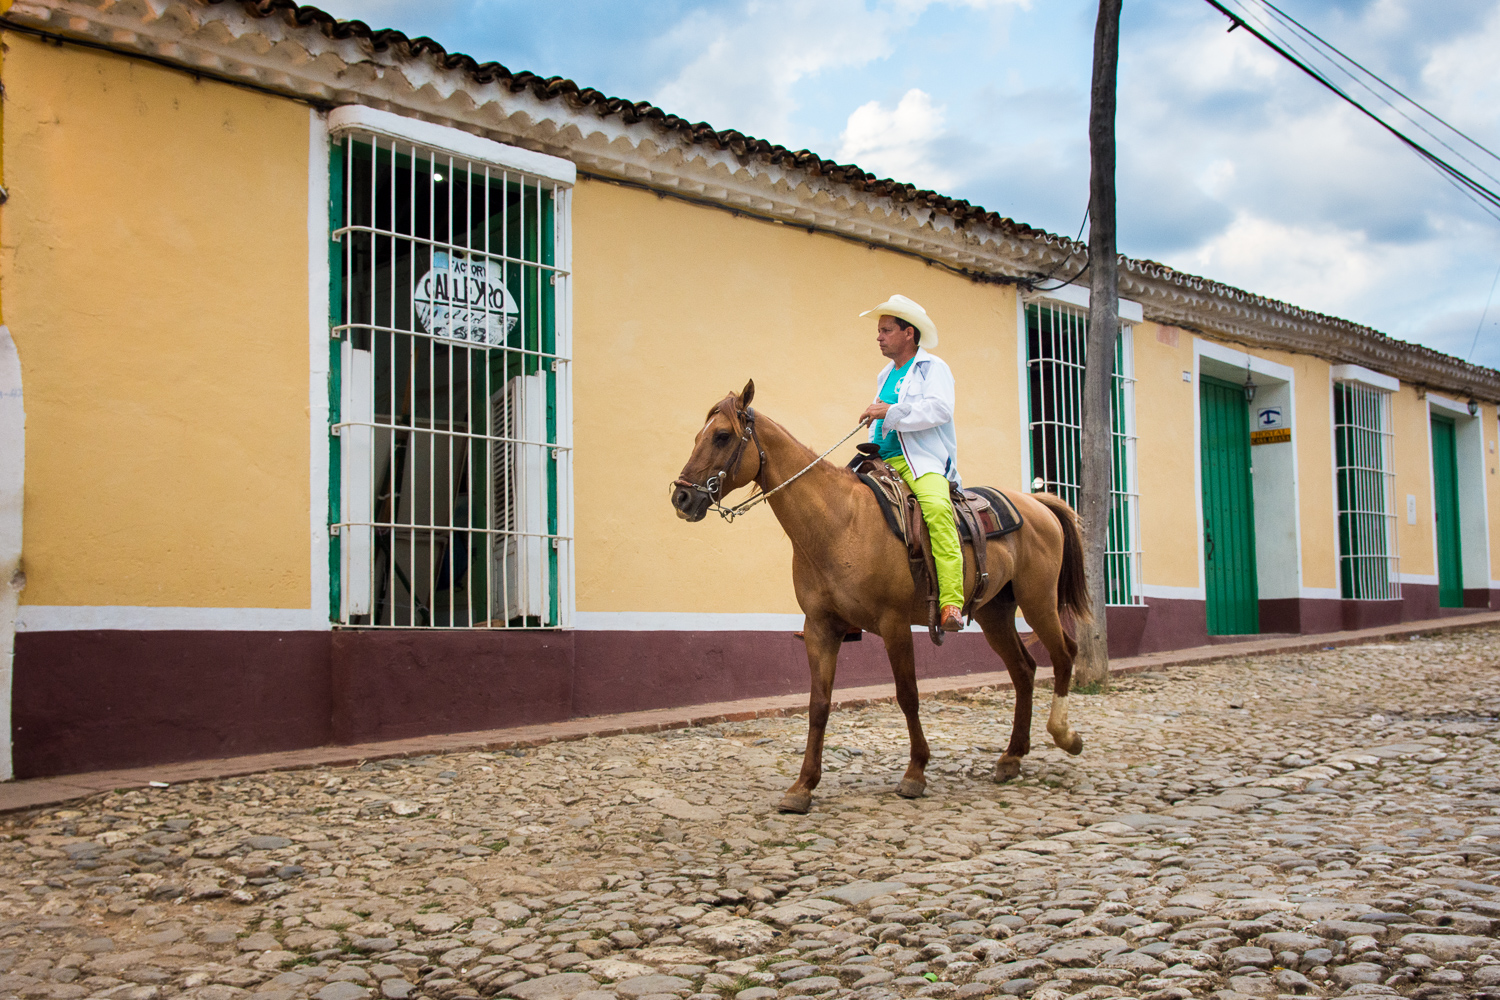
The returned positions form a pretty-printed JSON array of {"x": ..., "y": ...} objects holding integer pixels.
[
  {"x": 1473, "y": 407},
  {"x": 1249, "y": 386}
]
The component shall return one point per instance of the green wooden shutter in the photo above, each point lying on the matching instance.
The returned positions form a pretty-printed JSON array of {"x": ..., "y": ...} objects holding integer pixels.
[
  {"x": 1228, "y": 510},
  {"x": 1445, "y": 510}
]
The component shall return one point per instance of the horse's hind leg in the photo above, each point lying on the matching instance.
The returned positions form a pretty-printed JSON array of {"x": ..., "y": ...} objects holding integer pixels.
[
  {"x": 898, "y": 646},
  {"x": 823, "y": 638},
  {"x": 1062, "y": 649},
  {"x": 999, "y": 624}
]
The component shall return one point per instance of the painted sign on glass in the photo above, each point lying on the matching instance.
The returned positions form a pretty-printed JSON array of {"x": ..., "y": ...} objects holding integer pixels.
[{"x": 465, "y": 299}]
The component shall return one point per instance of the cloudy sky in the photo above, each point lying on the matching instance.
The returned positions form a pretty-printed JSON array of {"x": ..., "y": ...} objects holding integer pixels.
[{"x": 1232, "y": 163}]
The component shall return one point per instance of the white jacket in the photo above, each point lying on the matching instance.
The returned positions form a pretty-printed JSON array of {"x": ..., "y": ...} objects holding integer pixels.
[{"x": 922, "y": 416}]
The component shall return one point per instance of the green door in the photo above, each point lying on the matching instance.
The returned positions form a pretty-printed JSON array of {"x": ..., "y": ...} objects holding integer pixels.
[
  {"x": 1228, "y": 509},
  {"x": 1445, "y": 509}
]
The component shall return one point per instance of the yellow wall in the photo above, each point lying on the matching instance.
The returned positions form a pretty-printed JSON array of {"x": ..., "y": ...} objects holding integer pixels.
[
  {"x": 1315, "y": 483},
  {"x": 1412, "y": 444},
  {"x": 1166, "y": 452},
  {"x": 154, "y": 258},
  {"x": 675, "y": 306}
]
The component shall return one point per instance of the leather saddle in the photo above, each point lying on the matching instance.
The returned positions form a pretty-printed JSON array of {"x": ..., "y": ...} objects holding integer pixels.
[{"x": 982, "y": 513}]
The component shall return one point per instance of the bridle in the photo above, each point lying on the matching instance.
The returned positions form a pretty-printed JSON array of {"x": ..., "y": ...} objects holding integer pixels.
[{"x": 713, "y": 487}]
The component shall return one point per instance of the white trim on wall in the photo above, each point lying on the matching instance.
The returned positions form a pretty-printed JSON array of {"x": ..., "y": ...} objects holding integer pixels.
[
  {"x": 1239, "y": 360},
  {"x": 1449, "y": 407},
  {"x": 1427, "y": 578},
  {"x": 357, "y": 117},
  {"x": 1160, "y": 592},
  {"x": 1078, "y": 295},
  {"x": 1023, "y": 394},
  {"x": 1322, "y": 593},
  {"x": 80, "y": 618},
  {"x": 684, "y": 621},
  {"x": 1364, "y": 376},
  {"x": 695, "y": 621},
  {"x": 1472, "y": 486},
  {"x": 12, "y": 500},
  {"x": 317, "y": 347},
  {"x": 1278, "y": 380},
  {"x": 1197, "y": 484}
]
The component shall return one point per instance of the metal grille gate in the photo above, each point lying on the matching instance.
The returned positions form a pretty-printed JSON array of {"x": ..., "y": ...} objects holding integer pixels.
[
  {"x": 1368, "y": 559},
  {"x": 1055, "y": 337},
  {"x": 452, "y": 487}
]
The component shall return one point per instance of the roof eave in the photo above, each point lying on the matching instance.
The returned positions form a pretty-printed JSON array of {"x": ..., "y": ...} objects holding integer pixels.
[{"x": 275, "y": 44}]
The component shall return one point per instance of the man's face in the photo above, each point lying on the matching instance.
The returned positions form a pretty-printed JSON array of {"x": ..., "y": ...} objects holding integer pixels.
[{"x": 895, "y": 340}]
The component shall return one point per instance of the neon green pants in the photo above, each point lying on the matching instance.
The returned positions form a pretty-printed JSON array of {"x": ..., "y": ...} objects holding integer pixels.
[{"x": 937, "y": 511}]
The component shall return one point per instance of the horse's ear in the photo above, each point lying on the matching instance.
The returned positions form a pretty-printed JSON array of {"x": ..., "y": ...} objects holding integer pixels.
[{"x": 747, "y": 395}]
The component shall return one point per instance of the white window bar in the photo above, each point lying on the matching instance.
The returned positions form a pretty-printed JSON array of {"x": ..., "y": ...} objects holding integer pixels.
[
  {"x": 1369, "y": 563},
  {"x": 454, "y": 432},
  {"x": 1055, "y": 338}
]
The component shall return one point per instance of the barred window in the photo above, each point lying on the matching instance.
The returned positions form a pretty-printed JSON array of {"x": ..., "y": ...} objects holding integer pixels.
[
  {"x": 1369, "y": 568},
  {"x": 1055, "y": 339},
  {"x": 452, "y": 476}
]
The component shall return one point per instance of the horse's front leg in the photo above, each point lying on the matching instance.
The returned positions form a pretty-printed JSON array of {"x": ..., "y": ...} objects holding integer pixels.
[
  {"x": 898, "y": 646},
  {"x": 823, "y": 638}
]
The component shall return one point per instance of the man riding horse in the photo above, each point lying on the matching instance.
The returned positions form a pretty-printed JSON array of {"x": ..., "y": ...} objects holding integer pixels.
[{"x": 911, "y": 420}]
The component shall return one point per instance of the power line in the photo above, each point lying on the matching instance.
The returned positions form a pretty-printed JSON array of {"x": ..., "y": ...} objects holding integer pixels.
[
  {"x": 1052, "y": 273},
  {"x": 1486, "y": 198},
  {"x": 1317, "y": 39},
  {"x": 1466, "y": 185},
  {"x": 1482, "y": 315}
]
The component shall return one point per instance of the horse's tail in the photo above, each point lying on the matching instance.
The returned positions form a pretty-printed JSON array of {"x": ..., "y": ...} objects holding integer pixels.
[{"x": 1072, "y": 587}]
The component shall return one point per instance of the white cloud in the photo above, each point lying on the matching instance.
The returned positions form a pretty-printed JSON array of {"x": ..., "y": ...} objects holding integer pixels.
[
  {"x": 748, "y": 65},
  {"x": 1325, "y": 268},
  {"x": 748, "y": 62},
  {"x": 897, "y": 142},
  {"x": 1460, "y": 95}
]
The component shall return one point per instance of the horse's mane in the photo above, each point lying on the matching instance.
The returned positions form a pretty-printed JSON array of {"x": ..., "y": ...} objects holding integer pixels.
[{"x": 730, "y": 407}]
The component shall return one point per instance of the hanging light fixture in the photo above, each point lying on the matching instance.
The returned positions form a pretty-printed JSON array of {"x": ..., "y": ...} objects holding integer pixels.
[
  {"x": 1250, "y": 386},
  {"x": 1473, "y": 407}
]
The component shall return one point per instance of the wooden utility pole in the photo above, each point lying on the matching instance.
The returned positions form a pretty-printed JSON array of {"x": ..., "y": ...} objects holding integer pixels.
[{"x": 1099, "y": 352}]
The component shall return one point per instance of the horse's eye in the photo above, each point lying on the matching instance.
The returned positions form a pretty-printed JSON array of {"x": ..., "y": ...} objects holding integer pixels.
[{"x": 721, "y": 437}]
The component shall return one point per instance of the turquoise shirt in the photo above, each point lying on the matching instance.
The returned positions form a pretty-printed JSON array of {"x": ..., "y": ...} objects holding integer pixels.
[{"x": 890, "y": 444}]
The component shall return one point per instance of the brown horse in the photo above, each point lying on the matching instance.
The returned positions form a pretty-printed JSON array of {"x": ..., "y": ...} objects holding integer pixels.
[{"x": 850, "y": 572}]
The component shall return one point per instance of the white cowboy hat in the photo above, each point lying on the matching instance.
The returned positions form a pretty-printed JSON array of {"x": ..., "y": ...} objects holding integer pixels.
[{"x": 902, "y": 307}]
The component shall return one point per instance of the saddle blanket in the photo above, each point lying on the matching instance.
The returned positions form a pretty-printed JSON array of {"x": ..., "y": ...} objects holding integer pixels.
[{"x": 997, "y": 516}]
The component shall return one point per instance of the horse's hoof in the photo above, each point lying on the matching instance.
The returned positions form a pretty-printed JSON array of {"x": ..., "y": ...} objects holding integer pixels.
[
  {"x": 1007, "y": 768},
  {"x": 911, "y": 788},
  {"x": 1075, "y": 746},
  {"x": 796, "y": 801}
]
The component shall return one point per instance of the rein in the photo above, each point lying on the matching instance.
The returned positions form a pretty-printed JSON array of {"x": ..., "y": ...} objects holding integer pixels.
[{"x": 714, "y": 486}]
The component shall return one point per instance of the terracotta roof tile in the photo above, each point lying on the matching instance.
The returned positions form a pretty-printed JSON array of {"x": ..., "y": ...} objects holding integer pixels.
[{"x": 963, "y": 213}]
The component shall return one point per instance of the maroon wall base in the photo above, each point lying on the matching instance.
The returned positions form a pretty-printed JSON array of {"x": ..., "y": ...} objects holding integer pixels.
[
  {"x": 397, "y": 683},
  {"x": 88, "y": 701},
  {"x": 1173, "y": 624},
  {"x": 1480, "y": 598},
  {"x": 1418, "y": 601},
  {"x": 1372, "y": 614},
  {"x": 1301, "y": 616},
  {"x": 631, "y": 671}
]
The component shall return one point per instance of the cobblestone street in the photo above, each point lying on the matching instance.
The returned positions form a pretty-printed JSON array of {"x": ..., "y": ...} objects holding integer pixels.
[{"x": 1316, "y": 824}]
